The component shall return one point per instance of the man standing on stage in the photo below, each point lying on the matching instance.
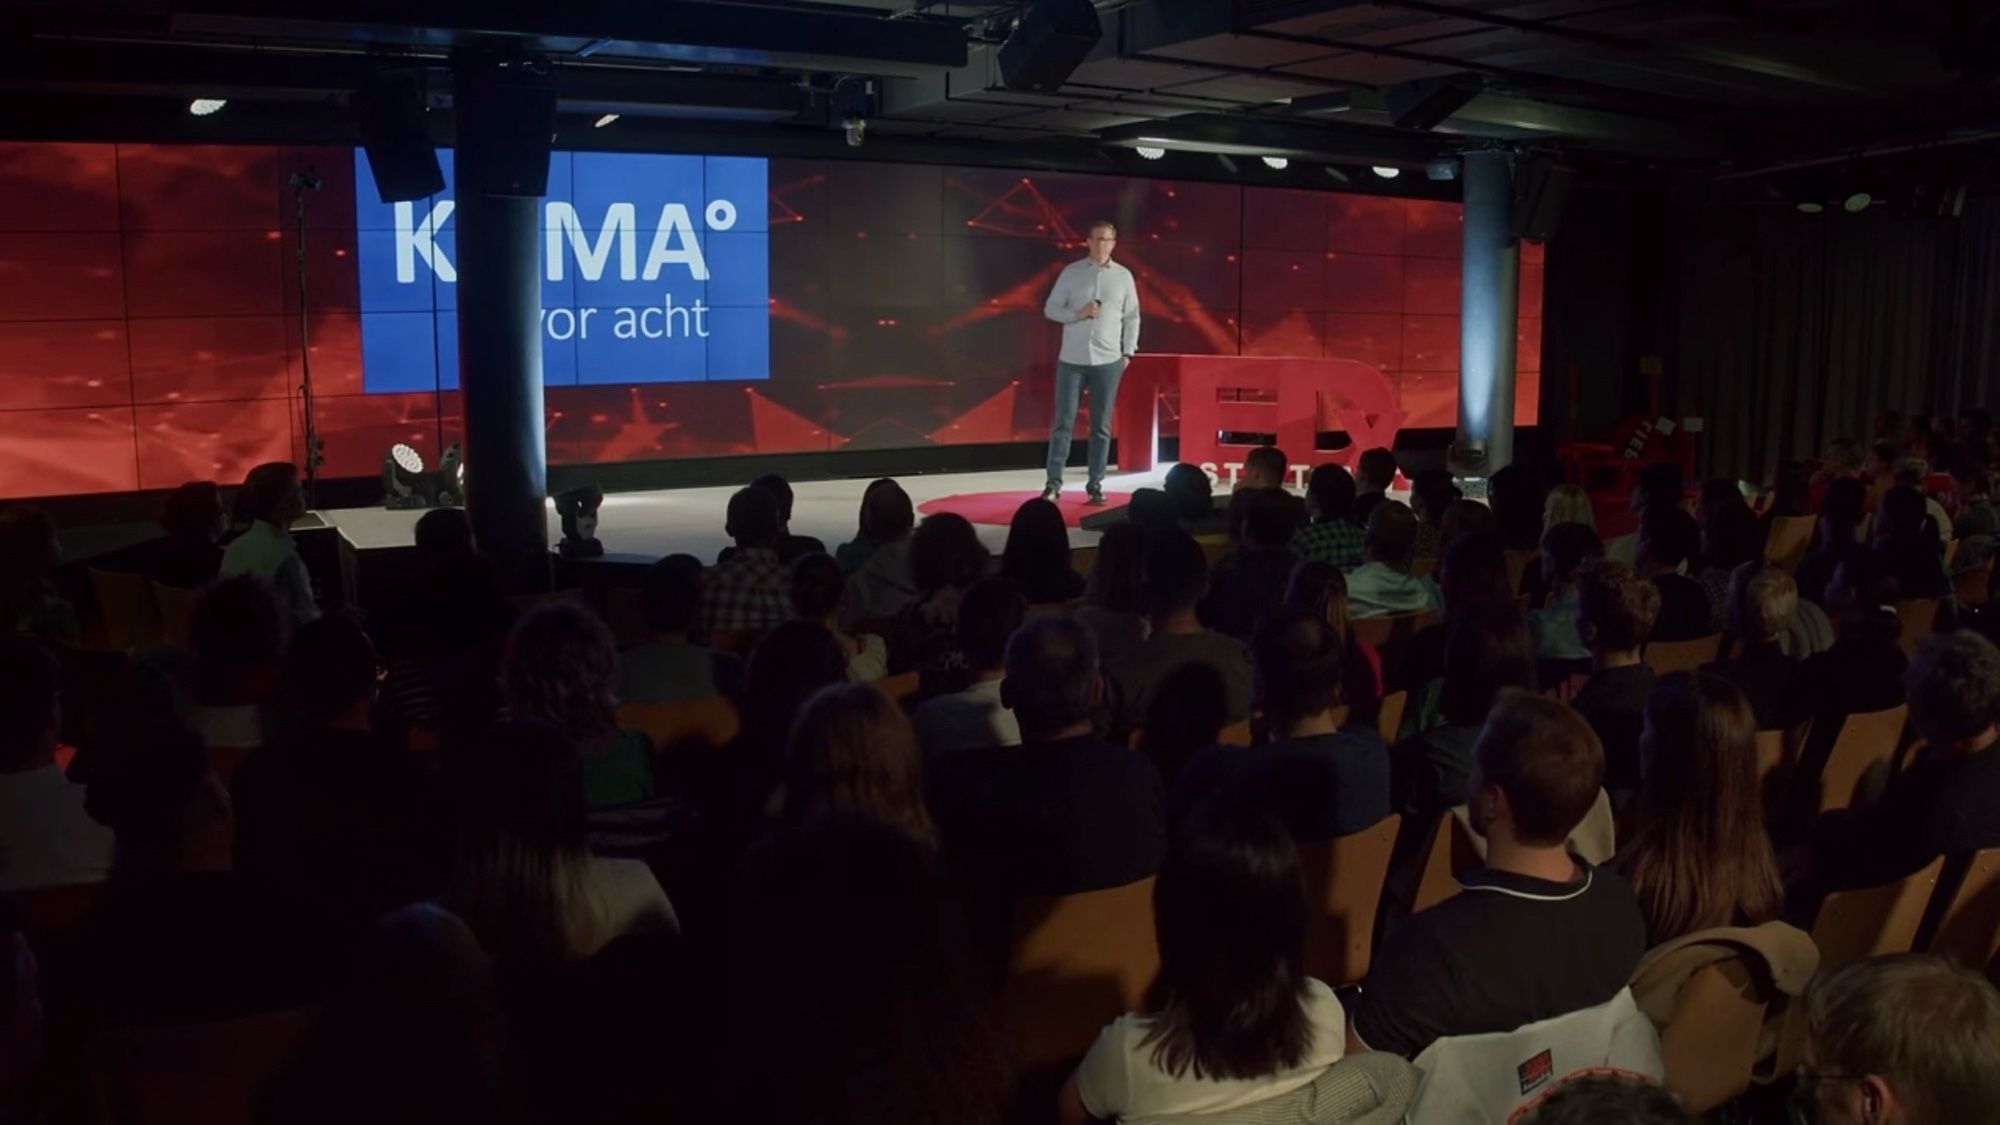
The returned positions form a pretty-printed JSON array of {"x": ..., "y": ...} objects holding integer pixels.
[{"x": 1097, "y": 303}]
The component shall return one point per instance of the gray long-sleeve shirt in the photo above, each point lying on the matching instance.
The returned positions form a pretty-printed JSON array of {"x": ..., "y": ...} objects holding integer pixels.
[{"x": 1113, "y": 333}]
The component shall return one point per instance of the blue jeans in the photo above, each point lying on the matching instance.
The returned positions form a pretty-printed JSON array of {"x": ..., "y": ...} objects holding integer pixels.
[{"x": 1071, "y": 378}]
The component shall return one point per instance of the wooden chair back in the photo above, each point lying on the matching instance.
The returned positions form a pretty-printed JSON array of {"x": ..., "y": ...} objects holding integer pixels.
[
  {"x": 1791, "y": 537},
  {"x": 1078, "y": 962},
  {"x": 1668, "y": 657},
  {"x": 899, "y": 687},
  {"x": 1083, "y": 559},
  {"x": 1917, "y": 616},
  {"x": 1865, "y": 739},
  {"x": 1215, "y": 547},
  {"x": 1389, "y": 719},
  {"x": 1235, "y": 734},
  {"x": 1344, "y": 878},
  {"x": 1518, "y": 561},
  {"x": 195, "y": 1074},
  {"x": 1777, "y": 762},
  {"x": 1970, "y": 926},
  {"x": 1710, "y": 1042},
  {"x": 1450, "y": 852},
  {"x": 1970, "y": 587},
  {"x": 737, "y": 641},
  {"x": 131, "y": 619},
  {"x": 175, "y": 605},
  {"x": 707, "y": 722}
]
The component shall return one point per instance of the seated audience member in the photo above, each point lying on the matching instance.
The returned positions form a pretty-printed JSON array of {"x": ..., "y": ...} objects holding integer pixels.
[
  {"x": 1840, "y": 460},
  {"x": 1472, "y": 572},
  {"x": 1905, "y": 541},
  {"x": 852, "y": 554},
  {"x": 1658, "y": 487},
  {"x": 1321, "y": 590},
  {"x": 819, "y": 593},
  {"x": 29, "y": 556},
  {"x": 791, "y": 663},
  {"x": 1186, "y": 717},
  {"x": 329, "y": 812},
  {"x": 1905, "y": 1039},
  {"x": 1333, "y": 536},
  {"x": 238, "y": 632},
  {"x": 1175, "y": 578},
  {"x": 946, "y": 558},
  {"x": 1610, "y": 1099},
  {"x": 177, "y": 936},
  {"x": 1559, "y": 646},
  {"x": 1972, "y": 491},
  {"x": 1568, "y": 503},
  {"x": 416, "y": 1035},
  {"x": 1264, "y": 470},
  {"x": 46, "y": 838},
  {"x": 791, "y": 548},
  {"x": 1518, "y": 494},
  {"x": 1534, "y": 935},
  {"x": 1762, "y": 603},
  {"x": 522, "y": 875},
  {"x": 1321, "y": 779},
  {"x": 1944, "y": 804},
  {"x": 1065, "y": 811},
  {"x": 1113, "y": 603},
  {"x": 1036, "y": 558},
  {"x": 1232, "y": 1020},
  {"x": 752, "y": 591},
  {"x": 273, "y": 501},
  {"x": 853, "y": 752},
  {"x": 879, "y": 579},
  {"x": 1464, "y": 517},
  {"x": 988, "y": 614},
  {"x": 21, "y": 1022},
  {"x": 1698, "y": 857},
  {"x": 443, "y": 632},
  {"x": 1914, "y": 472},
  {"x": 1487, "y": 651},
  {"x": 1878, "y": 471},
  {"x": 670, "y": 666},
  {"x": 1151, "y": 510},
  {"x": 1374, "y": 475},
  {"x": 1615, "y": 611},
  {"x": 1863, "y": 671},
  {"x": 1431, "y": 492},
  {"x": 904, "y": 1026},
  {"x": 1730, "y": 538},
  {"x": 1193, "y": 496},
  {"x": 188, "y": 556},
  {"x": 1248, "y": 583},
  {"x": 1789, "y": 494},
  {"x": 562, "y": 667},
  {"x": 1836, "y": 537},
  {"x": 1667, "y": 539},
  {"x": 1383, "y": 585}
]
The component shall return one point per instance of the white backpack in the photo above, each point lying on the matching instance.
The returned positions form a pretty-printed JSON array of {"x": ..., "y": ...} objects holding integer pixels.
[{"x": 1500, "y": 1076}]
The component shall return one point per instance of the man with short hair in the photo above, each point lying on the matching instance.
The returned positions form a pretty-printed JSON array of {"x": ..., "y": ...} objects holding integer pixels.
[
  {"x": 1615, "y": 611},
  {"x": 46, "y": 838},
  {"x": 1374, "y": 474},
  {"x": 1096, "y": 301},
  {"x": 1668, "y": 537},
  {"x": 989, "y": 613},
  {"x": 1173, "y": 579},
  {"x": 273, "y": 500},
  {"x": 669, "y": 665},
  {"x": 1905, "y": 1039},
  {"x": 791, "y": 548},
  {"x": 1383, "y": 585},
  {"x": 1333, "y": 536},
  {"x": 1250, "y": 581},
  {"x": 1537, "y": 933},
  {"x": 752, "y": 591},
  {"x": 1264, "y": 471},
  {"x": 1065, "y": 811},
  {"x": 1762, "y": 602}
]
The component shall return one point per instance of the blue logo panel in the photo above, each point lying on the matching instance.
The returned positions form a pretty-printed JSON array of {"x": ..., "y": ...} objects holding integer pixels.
[{"x": 655, "y": 269}]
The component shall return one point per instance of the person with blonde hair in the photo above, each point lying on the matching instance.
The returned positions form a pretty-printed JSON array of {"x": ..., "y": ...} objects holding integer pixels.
[
  {"x": 1763, "y": 601},
  {"x": 853, "y": 751},
  {"x": 1568, "y": 503}
]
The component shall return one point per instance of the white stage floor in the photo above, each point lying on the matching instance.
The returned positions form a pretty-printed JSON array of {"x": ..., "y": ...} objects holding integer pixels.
[{"x": 689, "y": 520}]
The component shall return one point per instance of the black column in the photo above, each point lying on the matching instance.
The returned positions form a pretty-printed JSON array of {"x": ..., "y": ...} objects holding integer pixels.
[
  {"x": 1488, "y": 302},
  {"x": 499, "y": 331}
]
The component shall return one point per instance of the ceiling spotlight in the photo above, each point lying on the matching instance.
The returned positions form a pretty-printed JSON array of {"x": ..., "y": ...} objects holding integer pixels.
[
  {"x": 202, "y": 107},
  {"x": 1277, "y": 162},
  {"x": 606, "y": 120},
  {"x": 1858, "y": 202},
  {"x": 1387, "y": 172},
  {"x": 1336, "y": 175},
  {"x": 1150, "y": 152},
  {"x": 1811, "y": 208},
  {"x": 1441, "y": 169}
]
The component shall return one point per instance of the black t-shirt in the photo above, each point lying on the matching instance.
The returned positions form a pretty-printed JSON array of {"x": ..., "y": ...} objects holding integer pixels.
[
  {"x": 1505, "y": 952},
  {"x": 1769, "y": 680},
  {"x": 1945, "y": 805},
  {"x": 1324, "y": 785},
  {"x": 1429, "y": 771},
  {"x": 1684, "y": 609},
  {"x": 1613, "y": 702}
]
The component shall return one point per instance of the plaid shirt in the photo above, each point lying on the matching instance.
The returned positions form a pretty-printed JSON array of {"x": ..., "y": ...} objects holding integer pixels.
[
  {"x": 751, "y": 592},
  {"x": 1335, "y": 541}
]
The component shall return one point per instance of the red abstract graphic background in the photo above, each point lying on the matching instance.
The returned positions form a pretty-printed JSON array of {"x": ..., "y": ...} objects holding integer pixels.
[{"x": 149, "y": 312}]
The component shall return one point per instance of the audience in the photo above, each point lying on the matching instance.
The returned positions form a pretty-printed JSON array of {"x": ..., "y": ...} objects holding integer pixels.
[
  {"x": 1972, "y": 492},
  {"x": 1907, "y": 543},
  {"x": 1487, "y": 651},
  {"x": 1321, "y": 590},
  {"x": 1609, "y": 1099},
  {"x": 1232, "y": 1020},
  {"x": 1901, "y": 1040},
  {"x": 1472, "y": 572},
  {"x": 1036, "y": 558},
  {"x": 1615, "y": 613},
  {"x": 791, "y": 548},
  {"x": 46, "y": 837},
  {"x": 1175, "y": 578},
  {"x": 1914, "y": 473},
  {"x": 237, "y": 635},
  {"x": 29, "y": 556},
  {"x": 1836, "y": 537},
  {"x": 796, "y": 660},
  {"x": 669, "y": 666},
  {"x": 1863, "y": 671},
  {"x": 1247, "y": 583},
  {"x": 1658, "y": 487},
  {"x": 1382, "y": 586},
  {"x": 1264, "y": 470},
  {"x": 946, "y": 558},
  {"x": 443, "y": 633},
  {"x": 991, "y": 611},
  {"x": 1790, "y": 494},
  {"x": 1431, "y": 492},
  {"x": 819, "y": 593},
  {"x": 1464, "y": 517},
  {"x": 1698, "y": 857},
  {"x": 751, "y": 591},
  {"x": 1730, "y": 538},
  {"x": 562, "y": 668},
  {"x": 1668, "y": 537},
  {"x": 1065, "y": 811},
  {"x": 1559, "y": 645},
  {"x": 1536, "y": 933},
  {"x": 881, "y": 523},
  {"x": 272, "y": 501},
  {"x": 1762, "y": 603},
  {"x": 853, "y": 753},
  {"x": 1186, "y": 717},
  {"x": 1568, "y": 503},
  {"x": 1114, "y": 604},
  {"x": 1840, "y": 460},
  {"x": 1517, "y": 494},
  {"x": 1333, "y": 536},
  {"x": 878, "y": 560},
  {"x": 188, "y": 556},
  {"x": 1193, "y": 497},
  {"x": 1374, "y": 475}
]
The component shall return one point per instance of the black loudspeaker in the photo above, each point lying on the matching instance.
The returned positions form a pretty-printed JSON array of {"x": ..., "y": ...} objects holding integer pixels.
[
  {"x": 524, "y": 99},
  {"x": 1541, "y": 192},
  {"x": 1052, "y": 41},
  {"x": 1424, "y": 103},
  {"x": 389, "y": 112}
]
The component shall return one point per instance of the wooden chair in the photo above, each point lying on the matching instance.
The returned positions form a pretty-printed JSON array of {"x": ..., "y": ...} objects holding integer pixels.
[
  {"x": 1389, "y": 719},
  {"x": 175, "y": 605},
  {"x": 737, "y": 641},
  {"x": 1450, "y": 852},
  {"x": 1344, "y": 878},
  {"x": 1668, "y": 657},
  {"x": 1235, "y": 734},
  {"x": 707, "y": 722},
  {"x": 1950, "y": 551},
  {"x": 1078, "y": 962},
  {"x": 1083, "y": 559},
  {"x": 1970, "y": 587},
  {"x": 899, "y": 687},
  {"x": 1391, "y": 638},
  {"x": 1710, "y": 1043},
  {"x": 1918, "y": 616},
  {"x": 1791, "y": 537},
  {"x": 131, "y": 619},
  {"x": 1865, "y": 739},
  {"x": 1216, "y": 547},
  {"x": 1518, "y": 560},
  {"x": 1421, "y": 568},
  {"x": 1970, "y": 926},
  {"x": 1777, "y": 761},
  {"x": 195, "y": 1074}
]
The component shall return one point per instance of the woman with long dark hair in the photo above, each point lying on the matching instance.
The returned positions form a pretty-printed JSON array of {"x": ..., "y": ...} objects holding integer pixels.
[
  {"x": 1698, "y": 857},
  {"x": 1232, "y": 1019},
  {"x": 1113, "y": 605},
  {"x": 1036, "y": 558},
  {"x": 1321, "y": 588},
  {"x": 946, "y": 558}
]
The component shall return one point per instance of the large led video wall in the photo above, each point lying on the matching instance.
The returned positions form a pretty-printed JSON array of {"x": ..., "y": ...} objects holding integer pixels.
[{"x": 692, "y": 306}]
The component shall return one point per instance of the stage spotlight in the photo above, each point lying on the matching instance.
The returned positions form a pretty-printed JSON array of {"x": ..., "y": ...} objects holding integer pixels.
[
  {"x": 1857, "y": 203},
  {"x": 1277, "y": 163},
  {"x": 406, "y": 484},
  {"x": 1811, "y": 208},
  {"x": 605, "y": 120},
  {"x": 578, "y": 509},
  {"x": 202, "y": 107},
  {"x": 1149, "y": 152},
  {"x": 1386, "y": 171}
]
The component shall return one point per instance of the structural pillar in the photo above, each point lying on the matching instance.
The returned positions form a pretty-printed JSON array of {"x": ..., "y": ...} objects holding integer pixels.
[
  {"x": 499, "y": 332},
  {"x": 1488, "y": 299}
]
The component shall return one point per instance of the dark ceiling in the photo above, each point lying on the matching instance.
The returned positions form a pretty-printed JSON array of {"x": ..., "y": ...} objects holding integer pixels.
[{"x": 1680, "y": 93}]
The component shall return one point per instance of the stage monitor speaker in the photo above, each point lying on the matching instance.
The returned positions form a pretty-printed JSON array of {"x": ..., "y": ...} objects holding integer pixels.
[
  {"x": 390, "y": 114},
  {"x": 1541, "y": 193},
  {"x": 1052, "y": 40},
  {"x": 525, "y": 98},
  {"x": 1424, "y": 103}
]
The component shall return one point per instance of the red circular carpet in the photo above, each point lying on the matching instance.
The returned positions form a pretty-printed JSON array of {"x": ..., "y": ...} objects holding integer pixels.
[{"x": 998, "y": 507}]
